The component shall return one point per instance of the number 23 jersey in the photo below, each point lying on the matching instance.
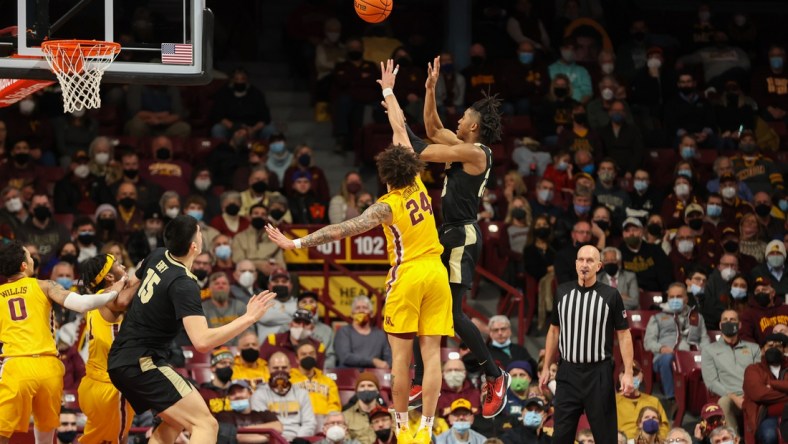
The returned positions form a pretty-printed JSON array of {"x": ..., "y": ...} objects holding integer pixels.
[
  {"x": 412, "y": 233},
  {"x": 168, "y": 292}
]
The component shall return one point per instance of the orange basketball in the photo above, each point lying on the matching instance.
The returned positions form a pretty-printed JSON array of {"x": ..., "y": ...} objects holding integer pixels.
[{"x": 373, "y": 11}]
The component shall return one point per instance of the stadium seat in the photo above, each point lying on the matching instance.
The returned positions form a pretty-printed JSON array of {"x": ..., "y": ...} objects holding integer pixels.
[
  {"x": 199, "y": 148},
  {"x": 638, "y": 321},
  {"x": 714, "y": 335},
  {"x": 446, "y": 353},
  {"x": 132, "y": 142},
  {"x": 660, "y": 162},
  {"x": 491, "y": 237},
  {"x": 344, "y": 377},
  {"x": 650, "y": 300},
  {"x": 384, "y": 376},
  {"x": 691, "y": 392},
  {"x": 345, "y": 395},
  {"x": 195, "y": 358},
  {"x": 65, "y": 219},
  {"x": 201, "y": 375},
  {"x": 71, "y": 399}
]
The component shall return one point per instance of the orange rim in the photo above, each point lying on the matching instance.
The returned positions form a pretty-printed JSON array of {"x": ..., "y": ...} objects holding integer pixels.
[{"x": 73, "y": 50}]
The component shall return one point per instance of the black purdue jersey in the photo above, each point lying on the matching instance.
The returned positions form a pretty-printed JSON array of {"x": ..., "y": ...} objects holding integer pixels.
[
  {"x": 462, "y": 191},
  {"x": 168, "y": 292}
]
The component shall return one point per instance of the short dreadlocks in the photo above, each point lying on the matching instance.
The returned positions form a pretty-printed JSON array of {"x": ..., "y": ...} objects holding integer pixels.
[{"x": 489, "y": 118}]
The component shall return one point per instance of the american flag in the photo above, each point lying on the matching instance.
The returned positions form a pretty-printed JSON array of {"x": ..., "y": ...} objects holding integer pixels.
[{"x": 176, "y": 53}]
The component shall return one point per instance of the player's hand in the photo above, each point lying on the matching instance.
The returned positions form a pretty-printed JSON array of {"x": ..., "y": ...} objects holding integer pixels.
[
  {"x": 259, "y": 304},
  {"x": 278, "y": 238},
  {"x": 544, "y": 377},
  {"x": 387, "y": 74},
  {"x": 119, "y": 285},
  {"x": 433, "y": 72},
  {"x": 627, "y": 385}
]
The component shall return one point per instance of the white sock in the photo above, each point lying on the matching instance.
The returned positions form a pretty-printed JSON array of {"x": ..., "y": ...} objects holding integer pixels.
[
  {"x": 401, "y": 419},
  {"x": 426, "y": 422},
  {"x": 44, "y": 437}
]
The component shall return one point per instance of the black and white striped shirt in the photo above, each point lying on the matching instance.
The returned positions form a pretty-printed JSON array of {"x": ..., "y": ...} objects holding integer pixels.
[{"x": 587, "y": 318}]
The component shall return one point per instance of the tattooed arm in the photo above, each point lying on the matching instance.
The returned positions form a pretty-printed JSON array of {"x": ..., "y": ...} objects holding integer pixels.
[{"x": 377, "y": 214}]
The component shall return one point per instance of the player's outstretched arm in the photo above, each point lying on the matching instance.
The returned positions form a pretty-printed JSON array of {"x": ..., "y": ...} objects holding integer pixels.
[
  {"x": 205, "y": 339},
  {"x": 462, "y": 152},
  {"x": 121, "y": 303},
  {"x": 377, "y": 214},
  {"x": 432, "y": 121},
  {"x": 396, "y": 116},
  {"x": 80, "y": 303}
]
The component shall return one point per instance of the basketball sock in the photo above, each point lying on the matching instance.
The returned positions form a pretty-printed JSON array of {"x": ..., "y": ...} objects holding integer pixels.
[
  {"x": 470, "y": 334},
  {"x": 401, "y": 419},
  {"x": 426, "y": 422}
]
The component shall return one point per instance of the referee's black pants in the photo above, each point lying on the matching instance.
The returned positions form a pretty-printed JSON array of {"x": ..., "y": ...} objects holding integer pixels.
[{"x": 589, "y": 388}]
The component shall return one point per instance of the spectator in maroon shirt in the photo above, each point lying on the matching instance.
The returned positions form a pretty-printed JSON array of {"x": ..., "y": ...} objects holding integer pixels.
[
  {"x": 21, "y": 171},
  {"x": 164, "y": 170},
  {"x": 764, "y": 312},
  {"x": 770, "y": 87}
]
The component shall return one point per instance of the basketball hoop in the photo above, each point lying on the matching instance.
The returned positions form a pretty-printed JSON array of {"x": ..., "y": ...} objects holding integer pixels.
[{"x": 79, "y": 66}]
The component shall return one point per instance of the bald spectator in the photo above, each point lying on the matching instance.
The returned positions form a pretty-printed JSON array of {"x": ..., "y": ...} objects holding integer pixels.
[
  {"x": 249, "y": 366},
  {"x": 456, "y": 385},
  {"x": 246, "y": 283},
  {"x": 42, "y": 229},
  {"x": 502, "y": 349}
]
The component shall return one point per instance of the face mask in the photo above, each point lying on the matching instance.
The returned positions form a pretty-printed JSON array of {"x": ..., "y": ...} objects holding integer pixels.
[
  {"x": 224, "y": 374},
  {"x": 633, "y": 241},
  {"x": 277, "y": 147},
  {"x": 477, "y": 60},
  {"x": 335, "y": 433},
  {"x": 246, "y": 279},
  {"x": 687, "y": 152},
  {"x": 582, "y": 209},
  {"x": 102, "y": 158},
  {"x": 602, "y": 224},
  {"x": 260, "y": 187},
  {"x": 561, "y": 92},
  {"x": 82, "y": 171},
  {"x": 86, "y": 238},
  {"x": 66, "y": 436},
  {"x": 197, "y": 214},
  {"x": 526, "y": 58},
  {"x": 282, "y": 292},
  {"x": 42, "y": 213},
  {"x": 277, "y": 214},
  {"x": 568, "y": 55},
  {"x": 727, "y": 274},
  {"x": 258, "y": 223},
  {"x": 199, "y": 273},
  {"x": 682, "y": 189},
  {"x": 202, "y": 184},
  {"x": 580, "y": 118},
  {"x": 447, "y": 68},
  {"x": 685, "y": 246},
  {"x": 607, "y": 68},
  {"x": 607, "y": 93},
  {"x": 223, "y": 252},
  {"x": 131, "y": 174},
  {"x": 106, "y": 224},
  {"x": 542, "y": 233},
  {"x": 65, "y": 282},
  {"x": 27, "y": 106},
  {"x": 776, "y": 62},
  {"x": 654, "y": 63},
  {"x": 763, "y": 299},
  {"x": 730, "y": 246},
  {"x": 607, "y": 176},
  {"x": 589, "y": 169},
  {"x": 304, "y": 160},
  {"x": 127, "y": 202},
  {"x": 654, "y": 229},
  {"x": 354, "y": 55},
  {"x": 775, "y": 260},
  {"x": 361, "y": 319},
  {"x": 21, "y": 158},
  {"x": 728, "y": 193},
  {"x": 163, "y": 154},
  {"x": 308, "y": 363},
  {"x": 367, "y": 396},
  {"x": 729, "y": 329},
  {"x": 13, "y": 205},
  {"x": 239, "y": 405},
  {"x": 503, "y": 344},
  {"x": 763, "y": 210},
  {"x": 250, "y": 355},
  {"x": 713, "y": 210},
  {"x": 685, "y": 173},
  {"x": 640, "y": 185},
  {"x": 461, "y": 426},
  {"x": 353, "y": 187},
  {"x": 520, "y": 385},
  {"x": 220, "y": 296},
  {"x": 173, "y": 212},
  {"x": 738, "y": 293},
  {"x": 695, "y": 289},
  {"x": 232, "y": 209},
  {"x": 774, "y": 356},
  {"x": 561, "y": 166},
  {"x": 299, "y": 333},
  {"x": 747, "y": 148},
  {"x": 617, "y": 117},
  {"x": 545, "y": 195},
  {"x": 532, "y": 420},
  {"x": 686, "y": 90},
  {"x": 695, "y": 224},
  {"x": 611, "y": 269},
  {"x": 240, "y": 87},
  {"x": 332, "y": 37},
  {"x": 783, "y": 204},
  {"x": 651, "y": 426},
  {"x": 454, "y": 379},
  {"x": 384, "y": 434},
  {"x": 675, "y": 304},
  {"x": 518, "y": 213}
]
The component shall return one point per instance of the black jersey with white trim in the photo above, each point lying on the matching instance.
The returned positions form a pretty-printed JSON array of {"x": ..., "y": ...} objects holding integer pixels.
[{"x": 462, "y": 191}]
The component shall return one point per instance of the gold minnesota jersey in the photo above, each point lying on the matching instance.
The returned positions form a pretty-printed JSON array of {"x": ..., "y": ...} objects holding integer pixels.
[
  {"x": 27, "y": 325},
  {"x": 99, "y": 334},
  {"x": 412, "y": 233}
]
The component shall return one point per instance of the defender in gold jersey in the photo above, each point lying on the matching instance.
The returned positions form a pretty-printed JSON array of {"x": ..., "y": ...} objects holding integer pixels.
[
  {"x": 109, "y": 413},
  {"x": 32, "y": 375},
  {"x": 418, "y": 298}
]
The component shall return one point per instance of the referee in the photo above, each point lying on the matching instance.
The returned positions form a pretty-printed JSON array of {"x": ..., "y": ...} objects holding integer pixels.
[{"x": 585, "y": 315}]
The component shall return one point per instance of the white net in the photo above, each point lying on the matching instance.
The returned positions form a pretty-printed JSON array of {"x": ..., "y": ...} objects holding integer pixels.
[{"x": 79, "y": 66}]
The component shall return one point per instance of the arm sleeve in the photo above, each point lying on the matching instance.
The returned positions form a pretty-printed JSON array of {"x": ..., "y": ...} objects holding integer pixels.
[
  {"x": 345, "y": 355},
  {"x": 619, "y": 313},
  {"x": 82, "y": 303},
  {"x": 185, "y": 295},
  {"x": 416, "y": 142}
]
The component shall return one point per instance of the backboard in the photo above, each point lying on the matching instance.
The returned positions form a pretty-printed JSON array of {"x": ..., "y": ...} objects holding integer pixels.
[{"x": 165, "y": 42}]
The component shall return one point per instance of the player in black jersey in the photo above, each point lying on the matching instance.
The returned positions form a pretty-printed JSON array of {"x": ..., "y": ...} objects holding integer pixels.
[
  {"x": 168, "y": 298},
  {"x": 468, "y": 161}
]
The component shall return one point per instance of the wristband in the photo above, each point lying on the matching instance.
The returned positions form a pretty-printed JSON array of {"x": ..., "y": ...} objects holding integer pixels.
[
  {"x": 387, "y": 92},
  {"x": 297, "y": 243}
]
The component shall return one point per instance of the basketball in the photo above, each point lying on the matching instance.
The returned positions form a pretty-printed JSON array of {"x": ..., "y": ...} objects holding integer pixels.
[{"x": 373, "y": 11}]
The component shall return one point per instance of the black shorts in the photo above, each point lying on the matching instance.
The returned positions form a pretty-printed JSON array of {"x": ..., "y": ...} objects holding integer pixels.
[
  {"x": 462, "y": 245},
  {"x": 153, "y": 385}
]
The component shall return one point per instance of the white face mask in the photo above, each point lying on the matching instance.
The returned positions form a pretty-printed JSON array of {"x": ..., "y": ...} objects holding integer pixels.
[
  {"x": 13, "y": 205},
  {"x": 102, "y": 158},
  {"x": 335, "y": 433},
  {"x": 246, "y": 279},
  {"x": 173, "y": 212},
  {"x": 607, "y": 94},
  {"x": 685, "y": 246},
  {"x": 26, "y": 107},
  {"x": 682, "y": 190},
  {"x": 202, "y": 184},
  {"x": 454, "y": 378},
  {"x": 654, "y": 63},
  {"x": 82, "y": 171},
  {"x": 727, "y": 274},
  {"x": 728, "y": 192},
  {"x": 607, "y": 68}
]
